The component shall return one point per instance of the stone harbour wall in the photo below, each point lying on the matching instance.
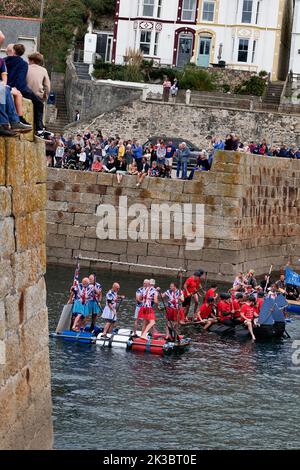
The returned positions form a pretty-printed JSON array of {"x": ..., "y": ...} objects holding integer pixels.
[
  {"x": 91, "y": 98},
  {"x": 25, "y": 391},
  {"x": 144, "y": 119},
  {"x": 252, "y": 214}
]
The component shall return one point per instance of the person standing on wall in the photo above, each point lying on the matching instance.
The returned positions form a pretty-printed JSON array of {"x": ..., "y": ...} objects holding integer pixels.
[{"x": 183, "y": 156}]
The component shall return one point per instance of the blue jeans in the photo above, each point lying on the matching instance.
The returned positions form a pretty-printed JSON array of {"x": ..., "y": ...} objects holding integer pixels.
[
  {"x": 7, "y": 108},
  {"x": 182, "y": 165}
]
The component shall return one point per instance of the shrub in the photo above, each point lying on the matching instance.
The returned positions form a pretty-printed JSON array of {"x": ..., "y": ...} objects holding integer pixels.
[
  {"x": 196, "y": 79},
  {"x": 254, "y": 86},
  {"x": 160, "y": 74},
  {"x": 226, "y": 88}
]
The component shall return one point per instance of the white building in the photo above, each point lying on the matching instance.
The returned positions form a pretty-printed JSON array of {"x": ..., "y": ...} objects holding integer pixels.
[
  {"x": 295, "y": 47},
  {"x": 245, "y": 34}
]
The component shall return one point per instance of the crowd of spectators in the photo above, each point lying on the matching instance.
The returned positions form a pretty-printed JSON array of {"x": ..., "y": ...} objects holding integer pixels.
[
  {"x": 21, "y": 78},
  {"x": 94, "y": 152},
  {"x": 91, "y": 151}
]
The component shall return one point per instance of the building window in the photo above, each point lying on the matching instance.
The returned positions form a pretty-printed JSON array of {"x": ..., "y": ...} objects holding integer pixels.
[
  {"x": 208, "y": 11},
  {"x": 188, "y": 10},
  {"x": 243, "y": 50},
  {"x": 156, "y": 44},
  {"x": 148, "y": 9},
  {"x": 247, "y": 11},
  {"x": 257, "y": 13},
  {"x": 253, "y": 51},
  {"x": 159, "y": 5},
  {"x": 145, "y": 42}
]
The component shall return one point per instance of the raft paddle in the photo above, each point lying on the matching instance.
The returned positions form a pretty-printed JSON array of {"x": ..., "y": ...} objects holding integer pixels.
[
  {"x": 66, "y": 315},
  {"x": 268, "y": 278}
]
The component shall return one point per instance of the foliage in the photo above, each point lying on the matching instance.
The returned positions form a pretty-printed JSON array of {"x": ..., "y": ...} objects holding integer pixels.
[
  {"x": 196, "y": 79},
  {"x": 159, "y": 74},
  {"x": 30, "y": 8},
  {"x": 61, "y": 19},
  {"x": 100, "y": 7},
  {"x": 254, "y": 86},
  {"x": 226, "y": 88},
  {"x": 60, "y": 23},
  {"x": 263, "y": 73}
]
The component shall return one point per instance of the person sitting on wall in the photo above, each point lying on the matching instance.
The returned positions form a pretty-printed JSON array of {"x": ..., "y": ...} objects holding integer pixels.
[
  {"x": 202, "y": 164},
  {"x": 18, "y": 70},
  {"x": 38, "y": 81},
  {"x": 143, "y": 173},
  {"x": 97, "y": 166},
  {"x": 121, "y": 166},
  {"x": 154, "y": 170}
]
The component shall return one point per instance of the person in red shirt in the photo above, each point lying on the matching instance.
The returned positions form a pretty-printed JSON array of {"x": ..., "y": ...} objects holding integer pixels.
[
  {"x": 260, "y": 301},
  {"x": 237, "y": 303},
  {"x": 191, "y": 290},
  {"x": 248, "y": 314},
  {"x": 212, "y": 292},
  {"x": 206, "y": 314},
  {"x": 224, "y": 309}
]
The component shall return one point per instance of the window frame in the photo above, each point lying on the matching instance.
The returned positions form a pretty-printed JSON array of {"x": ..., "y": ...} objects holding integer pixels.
[
  {"x": 146, "y": 32},
  {"x": 211, "y": 2},
  {"x": 243, "y": 50},
  {"x": 156, "y": 43},
  {"x": 247, "y": 12},
  {"x": 254, "y": 49},
  {"x": 193, "y": 11},
  {"x": 148, "y": 4}
]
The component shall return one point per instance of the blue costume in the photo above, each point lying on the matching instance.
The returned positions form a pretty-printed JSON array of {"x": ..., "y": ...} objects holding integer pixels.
[
  {"x": 81, "y": 304},
  {"x": 93, "y": 300}
]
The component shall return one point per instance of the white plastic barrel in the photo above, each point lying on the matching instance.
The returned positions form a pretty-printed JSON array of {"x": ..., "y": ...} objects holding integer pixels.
[{"x": 117, "y": 341}]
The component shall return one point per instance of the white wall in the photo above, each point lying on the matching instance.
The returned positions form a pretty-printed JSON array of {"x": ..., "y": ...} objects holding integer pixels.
[{"x": 295, "y": 56}]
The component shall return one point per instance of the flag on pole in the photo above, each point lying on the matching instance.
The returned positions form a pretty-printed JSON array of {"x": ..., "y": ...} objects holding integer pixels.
[
  {"x": 291, "y": 277},
  {"x": 76, "y": 275}
]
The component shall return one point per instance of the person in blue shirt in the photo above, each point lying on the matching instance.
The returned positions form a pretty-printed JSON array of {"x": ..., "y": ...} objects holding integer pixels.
[{"x": 137, "y": 151}]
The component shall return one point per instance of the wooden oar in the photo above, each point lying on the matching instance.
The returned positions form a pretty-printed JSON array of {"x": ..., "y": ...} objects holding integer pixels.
[{"x": 268, "y": 279}]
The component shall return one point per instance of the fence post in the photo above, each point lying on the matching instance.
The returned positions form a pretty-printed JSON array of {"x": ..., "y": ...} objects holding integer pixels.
[{"x": 188, "y": 97}]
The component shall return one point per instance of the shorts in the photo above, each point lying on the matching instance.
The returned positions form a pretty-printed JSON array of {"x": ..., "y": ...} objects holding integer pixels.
[
  {"x": 187, "y": 302},
  {"x": 146, "y": 313},
  {"x": 169, "y": 162},
  {"x": 174, "y": 314}
]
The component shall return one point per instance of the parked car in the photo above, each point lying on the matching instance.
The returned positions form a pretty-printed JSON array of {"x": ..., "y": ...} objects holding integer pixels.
[{"x": 176, "y": 141}]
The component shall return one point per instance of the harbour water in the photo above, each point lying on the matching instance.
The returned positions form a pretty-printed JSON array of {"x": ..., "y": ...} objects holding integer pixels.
[{"x": 221, "y": 394}]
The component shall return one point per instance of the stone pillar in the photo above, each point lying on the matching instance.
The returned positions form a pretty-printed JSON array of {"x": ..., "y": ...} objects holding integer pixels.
[{"x": 25, "y": 391}]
